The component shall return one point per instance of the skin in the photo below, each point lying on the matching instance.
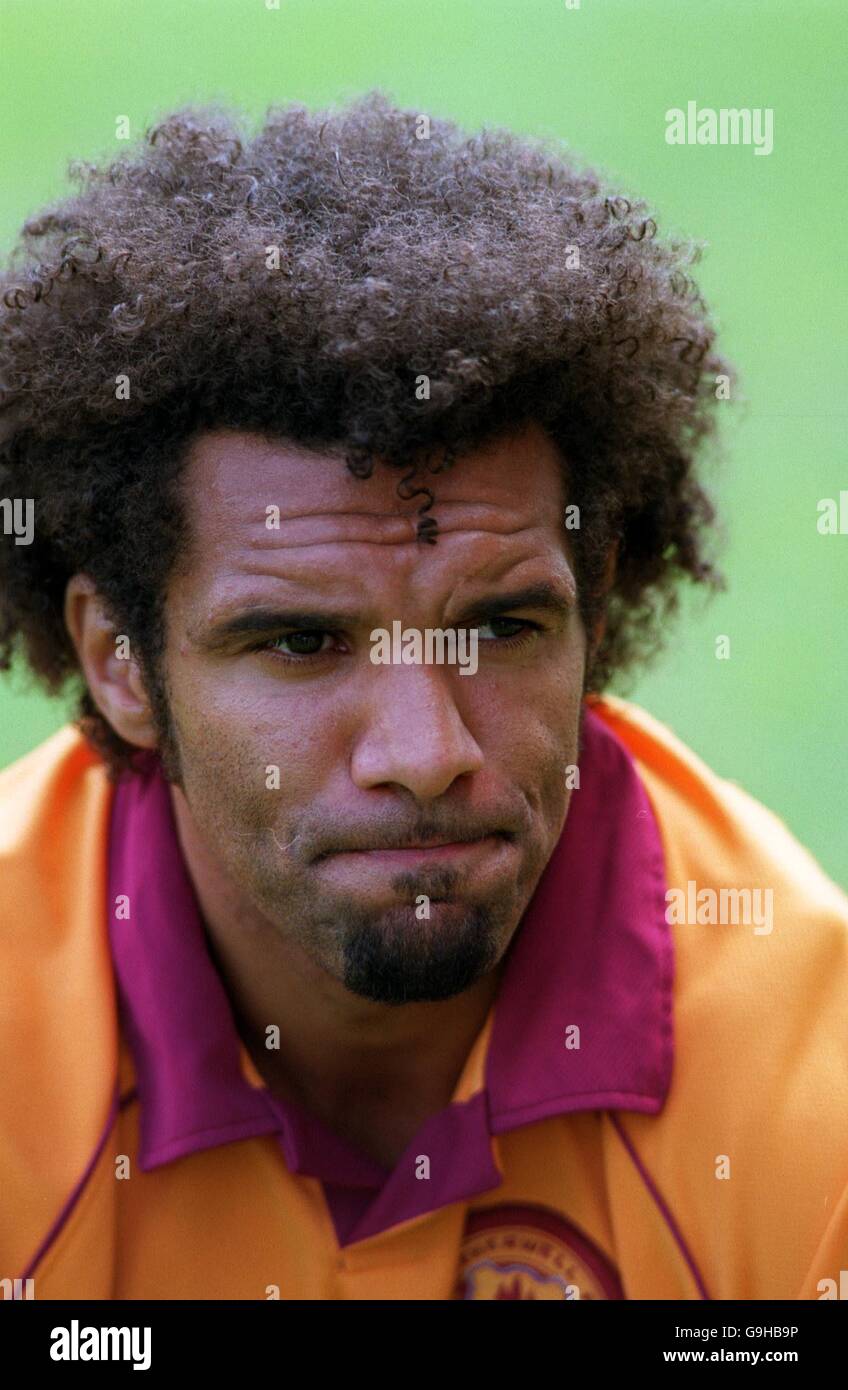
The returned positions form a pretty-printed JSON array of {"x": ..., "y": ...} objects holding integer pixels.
[{"x": 295, "y": 882}]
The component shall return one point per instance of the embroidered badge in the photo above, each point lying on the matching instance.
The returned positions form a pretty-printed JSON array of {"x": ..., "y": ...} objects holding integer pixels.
[{"x": 525, "y": 1251}]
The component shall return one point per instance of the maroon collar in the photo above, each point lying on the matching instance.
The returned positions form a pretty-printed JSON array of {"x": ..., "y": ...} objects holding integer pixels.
[{"x": 593, "y": 953}]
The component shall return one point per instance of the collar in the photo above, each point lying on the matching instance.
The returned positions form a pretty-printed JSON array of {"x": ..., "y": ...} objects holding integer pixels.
[{"x": 582, "y": 1020}]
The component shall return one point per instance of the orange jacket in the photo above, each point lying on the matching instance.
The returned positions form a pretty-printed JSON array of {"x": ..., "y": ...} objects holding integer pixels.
[{"x": 657, "y": 1106}]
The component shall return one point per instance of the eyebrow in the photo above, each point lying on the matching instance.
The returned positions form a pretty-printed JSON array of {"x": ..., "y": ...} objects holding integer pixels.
[
  {"x": 544, "y": 597},
  {"x": 259, "y": 621},
  {"x": 262, "y": 620}
]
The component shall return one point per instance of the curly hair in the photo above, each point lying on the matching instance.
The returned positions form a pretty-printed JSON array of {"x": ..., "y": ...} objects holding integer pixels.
[{"x": 302, "y": 283}]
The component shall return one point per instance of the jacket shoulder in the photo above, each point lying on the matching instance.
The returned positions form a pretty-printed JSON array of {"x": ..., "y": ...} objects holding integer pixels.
[
  {"x": 710, "y": 822},
  {"x": 58, "y": 1020},
  {"x": 749, "y": 1150}
]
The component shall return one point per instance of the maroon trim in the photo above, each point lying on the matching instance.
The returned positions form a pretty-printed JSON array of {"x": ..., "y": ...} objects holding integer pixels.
[
  {"x": 76, "y": 1192},
  {"x": 594, "y": 950},
  {"x": 664, "y": 1209}
]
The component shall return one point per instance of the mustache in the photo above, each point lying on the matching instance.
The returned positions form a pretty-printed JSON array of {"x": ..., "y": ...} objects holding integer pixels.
[{"x": 341, "y": 835}]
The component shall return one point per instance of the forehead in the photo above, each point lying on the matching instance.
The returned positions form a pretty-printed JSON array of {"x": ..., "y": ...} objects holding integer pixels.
[{"x": 500, "y": 502}]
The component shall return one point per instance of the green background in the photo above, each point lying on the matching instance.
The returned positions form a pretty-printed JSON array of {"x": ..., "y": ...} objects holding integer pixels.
[{"x": 601, "y": 77}]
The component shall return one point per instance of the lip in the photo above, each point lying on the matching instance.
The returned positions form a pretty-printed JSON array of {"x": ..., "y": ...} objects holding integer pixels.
[{"x": 457, "y": 851}]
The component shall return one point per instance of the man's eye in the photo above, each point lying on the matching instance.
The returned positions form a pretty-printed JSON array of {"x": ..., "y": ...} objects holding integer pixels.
[
  {"x": 307, "y": 642},
  {"x": 516, "y": 628}
]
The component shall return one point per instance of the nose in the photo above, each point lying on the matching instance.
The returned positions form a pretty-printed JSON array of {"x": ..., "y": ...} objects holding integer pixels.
[{"x": 415, "y": 736}]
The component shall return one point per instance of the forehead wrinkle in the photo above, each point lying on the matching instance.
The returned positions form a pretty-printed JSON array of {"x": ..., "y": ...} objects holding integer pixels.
[
  {"x": 476, "y": 570},
  {"x": 495, "y": 564},
  {"x": 405, "y": 535},
  {"x": 471, "y": 533},
  {"x": 444, "y": 503},
  {"x": 496, "y": 569}
]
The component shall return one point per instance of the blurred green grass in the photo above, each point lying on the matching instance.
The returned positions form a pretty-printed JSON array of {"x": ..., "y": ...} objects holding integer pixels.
[{"x": 601, "y": 78}]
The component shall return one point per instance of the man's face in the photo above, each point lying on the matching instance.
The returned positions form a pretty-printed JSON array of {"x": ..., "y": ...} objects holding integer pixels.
[{"x": 415, "y": 806}]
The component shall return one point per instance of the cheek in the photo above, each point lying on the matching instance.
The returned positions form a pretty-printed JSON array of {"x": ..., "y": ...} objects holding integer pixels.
[
  {"x": 528, "y": 731},
  {"x": 254, "y": 743},
  {"x": 539, "y": 704},
  {"x": 547, "y": 732}
]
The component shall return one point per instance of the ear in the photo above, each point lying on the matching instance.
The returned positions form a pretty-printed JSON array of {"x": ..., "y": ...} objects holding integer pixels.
[
  {"x": 607, "y": 582},
  {"x": 111, "y": 671}
]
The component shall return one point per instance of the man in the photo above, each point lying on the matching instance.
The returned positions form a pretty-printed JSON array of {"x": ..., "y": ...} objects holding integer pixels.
[{"x": 333, "y": 968}]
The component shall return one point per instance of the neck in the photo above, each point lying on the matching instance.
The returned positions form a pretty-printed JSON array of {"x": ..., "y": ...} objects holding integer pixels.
[{"x": 372, "y": 1072}]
